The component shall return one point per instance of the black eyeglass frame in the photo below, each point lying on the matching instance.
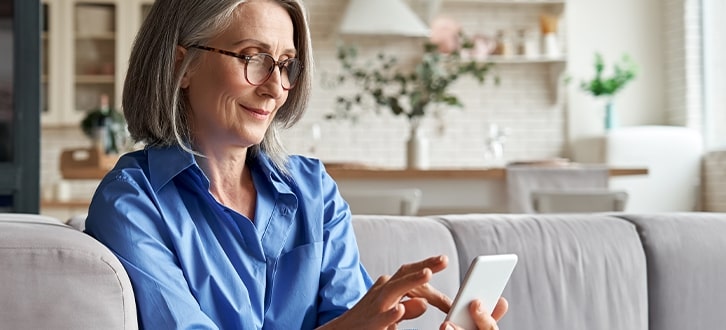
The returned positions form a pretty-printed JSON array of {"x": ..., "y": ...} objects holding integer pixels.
[{"x": 247, "y": 58}]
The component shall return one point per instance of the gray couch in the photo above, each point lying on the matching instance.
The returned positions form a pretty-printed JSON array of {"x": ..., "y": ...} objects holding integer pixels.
[{"x": 596, "y": 271}]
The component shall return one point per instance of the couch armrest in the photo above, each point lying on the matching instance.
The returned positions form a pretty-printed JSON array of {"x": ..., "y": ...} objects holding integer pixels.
[{"x": 56, "y": 277}]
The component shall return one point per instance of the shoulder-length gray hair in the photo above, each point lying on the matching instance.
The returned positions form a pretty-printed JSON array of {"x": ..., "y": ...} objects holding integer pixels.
[{"x": 155, "y": 110}]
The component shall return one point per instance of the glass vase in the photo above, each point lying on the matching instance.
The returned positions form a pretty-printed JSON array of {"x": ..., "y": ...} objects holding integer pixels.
[{"x": 610, "y": 115}]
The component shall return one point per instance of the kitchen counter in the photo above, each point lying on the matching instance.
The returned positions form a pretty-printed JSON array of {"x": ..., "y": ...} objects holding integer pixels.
[
  {"x": 372, "y": 172},
  {"x": 444, "y": 190}
]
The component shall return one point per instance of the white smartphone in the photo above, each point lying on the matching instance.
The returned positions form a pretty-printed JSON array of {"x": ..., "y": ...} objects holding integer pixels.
[{"x": 485, "y": 280}]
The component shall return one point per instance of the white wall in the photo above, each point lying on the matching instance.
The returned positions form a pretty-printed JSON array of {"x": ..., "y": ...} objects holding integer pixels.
[{"x": 615, "y": 27}]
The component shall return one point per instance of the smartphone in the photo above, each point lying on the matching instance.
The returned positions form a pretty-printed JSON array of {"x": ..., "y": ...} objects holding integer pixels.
[{"x": 485, "y": 280}]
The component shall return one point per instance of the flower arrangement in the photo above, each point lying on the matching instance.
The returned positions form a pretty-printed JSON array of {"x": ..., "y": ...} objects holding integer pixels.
[
  {"x": 384, "y": 84},
  {"x": 623, "y": 72}
]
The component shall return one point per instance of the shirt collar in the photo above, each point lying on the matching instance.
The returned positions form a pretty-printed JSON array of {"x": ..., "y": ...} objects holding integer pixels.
[
  {"x": 167, "y": 162},
  {"x": 261, "y": 162}
]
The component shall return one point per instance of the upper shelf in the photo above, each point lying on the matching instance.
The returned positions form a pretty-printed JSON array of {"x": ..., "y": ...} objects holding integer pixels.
[
  {"x": 554, "y": 6},
  {"x": 517, "y": 59},
  {"x": 524, "y": 2}
]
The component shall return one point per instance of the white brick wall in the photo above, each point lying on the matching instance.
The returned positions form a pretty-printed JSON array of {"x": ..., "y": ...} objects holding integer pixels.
[{"x": 53, "y": 141}]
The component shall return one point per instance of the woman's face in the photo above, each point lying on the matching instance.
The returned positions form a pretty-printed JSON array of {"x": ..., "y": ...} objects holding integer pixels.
[{"x": 226, "y": 110}]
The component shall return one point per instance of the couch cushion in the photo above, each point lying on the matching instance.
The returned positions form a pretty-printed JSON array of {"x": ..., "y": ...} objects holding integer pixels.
[
  {"x": 574, "y": 271},
  {"x": 686, "y": 255},
  {"x": 387, "y": 242},
  {"x": 55, "y": 277}
]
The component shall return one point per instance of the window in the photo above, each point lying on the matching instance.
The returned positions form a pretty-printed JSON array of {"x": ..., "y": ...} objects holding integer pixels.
[
  {"x": 714, "y": 73},
  {"x": 19, "y": 105}
]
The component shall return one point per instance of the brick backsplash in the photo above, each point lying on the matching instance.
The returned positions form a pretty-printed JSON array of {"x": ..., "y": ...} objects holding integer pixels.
[
  {"x": 521, "y": 103},
  {"x": 53, "y": 142}
]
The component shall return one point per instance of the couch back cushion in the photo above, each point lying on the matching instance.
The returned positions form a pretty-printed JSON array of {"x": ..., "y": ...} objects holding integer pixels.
[
  {"x": 387, "y": 242},
  {"x": 574, "y": 271},
  {"x": 686, "y": 254},
  {"x": 55, "y": 277}
]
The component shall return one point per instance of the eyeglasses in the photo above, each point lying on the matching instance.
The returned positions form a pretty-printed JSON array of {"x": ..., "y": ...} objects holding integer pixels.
[{"x": 259, "y": 67}]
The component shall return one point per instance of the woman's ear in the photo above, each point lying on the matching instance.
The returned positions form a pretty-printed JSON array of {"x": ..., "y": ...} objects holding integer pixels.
[{"x": 181, "y": 52}]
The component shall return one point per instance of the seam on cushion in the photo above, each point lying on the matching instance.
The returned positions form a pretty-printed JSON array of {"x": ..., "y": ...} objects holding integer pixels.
[{"x": 123, "y": 298}]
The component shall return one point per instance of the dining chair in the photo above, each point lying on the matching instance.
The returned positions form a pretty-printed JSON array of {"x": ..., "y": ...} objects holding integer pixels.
[
  {"x": 383, "y": 201},
  {"x": 579, "y": 201}
]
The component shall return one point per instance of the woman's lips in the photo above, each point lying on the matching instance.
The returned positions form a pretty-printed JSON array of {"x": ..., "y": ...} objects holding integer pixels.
[{"x": 257, "y": 113}]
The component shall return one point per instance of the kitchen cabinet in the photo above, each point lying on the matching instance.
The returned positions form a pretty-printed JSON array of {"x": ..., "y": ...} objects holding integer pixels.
[{"x": 85, "y": 47}]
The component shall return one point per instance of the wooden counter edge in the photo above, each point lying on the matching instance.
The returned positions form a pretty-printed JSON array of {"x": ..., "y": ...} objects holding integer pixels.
[
  {"x": 443, "y": 174},
  {"x": 91, "y": 173}
]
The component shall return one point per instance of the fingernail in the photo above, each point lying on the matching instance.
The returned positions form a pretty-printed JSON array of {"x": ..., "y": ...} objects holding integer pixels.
[{"x": 449, "y": 327}]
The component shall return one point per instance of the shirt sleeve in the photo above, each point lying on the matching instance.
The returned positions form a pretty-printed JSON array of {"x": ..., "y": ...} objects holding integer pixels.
[
  {"x": 343, "y": 280},
  {"x": 124, "y": 217}
]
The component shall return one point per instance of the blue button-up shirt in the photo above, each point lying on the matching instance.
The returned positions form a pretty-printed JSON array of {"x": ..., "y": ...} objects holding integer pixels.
[{"x": 195, "y": 263}]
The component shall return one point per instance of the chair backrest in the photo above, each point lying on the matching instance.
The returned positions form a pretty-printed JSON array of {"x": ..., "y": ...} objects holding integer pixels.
[
  {"x": 383, "y": 201},
  {"x": 578, "y": 201},
  {"x": 672, "y": 154}
]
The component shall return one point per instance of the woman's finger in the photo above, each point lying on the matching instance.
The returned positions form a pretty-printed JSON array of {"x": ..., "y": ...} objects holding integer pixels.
[
  {"x": 434, "y": 297},
  {"x": 482, "y": 317},
  {"x": 435, "y": 264},
  {"x": 414, "y": 308},
  {"x": 400, "y": 285},
  {"x": 449, "y": 326},
  {"x": 500, "y": 309}
]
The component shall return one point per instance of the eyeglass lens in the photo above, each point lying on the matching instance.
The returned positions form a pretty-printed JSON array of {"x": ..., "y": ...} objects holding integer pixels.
[{"x": 260, "y": 67}]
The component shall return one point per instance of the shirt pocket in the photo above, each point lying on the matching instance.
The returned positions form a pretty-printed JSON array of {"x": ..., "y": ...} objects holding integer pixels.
[{"x": 297, "y": 280}]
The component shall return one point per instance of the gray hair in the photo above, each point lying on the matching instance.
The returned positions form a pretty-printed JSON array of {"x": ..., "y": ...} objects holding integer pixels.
[{"x": 153, "y": 104}]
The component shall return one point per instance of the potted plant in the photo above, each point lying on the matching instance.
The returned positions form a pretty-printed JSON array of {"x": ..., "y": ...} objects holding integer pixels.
[
  {"x": 607, "y": 87},
  {"x": 413, "y": 93},
  {"x": 105, "y": 127}
]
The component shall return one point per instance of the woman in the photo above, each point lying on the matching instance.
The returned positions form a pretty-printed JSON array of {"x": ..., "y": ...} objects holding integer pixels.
[{"x": 215, "y": 225}]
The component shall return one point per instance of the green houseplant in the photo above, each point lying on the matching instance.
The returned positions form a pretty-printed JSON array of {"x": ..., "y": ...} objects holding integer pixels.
[
  {"x": 602, "y": 86},
  {"x": 410, "y": 92},
  {"x": 106, "y": 127}
]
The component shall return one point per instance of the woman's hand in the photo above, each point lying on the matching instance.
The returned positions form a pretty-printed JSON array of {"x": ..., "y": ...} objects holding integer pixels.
[
  {"x": 482, "y": 318},
  {"x": 384, "y": 305}
]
